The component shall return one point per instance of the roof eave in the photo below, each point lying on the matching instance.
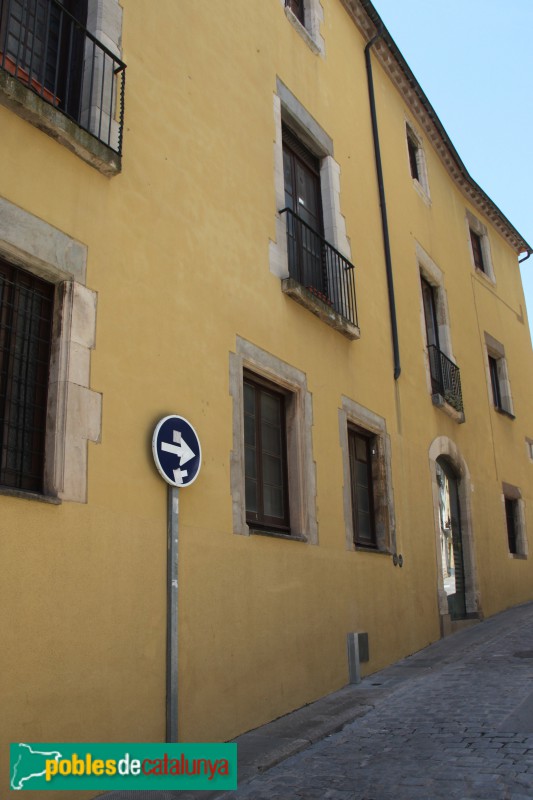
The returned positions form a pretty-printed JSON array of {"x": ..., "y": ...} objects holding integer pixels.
[{"x": 370, "y": 23}]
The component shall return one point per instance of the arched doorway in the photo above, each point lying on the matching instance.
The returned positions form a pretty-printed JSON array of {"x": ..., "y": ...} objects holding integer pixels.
[
  {"x": 457, "y": 588},
  {"x": 451, "y": 539}
]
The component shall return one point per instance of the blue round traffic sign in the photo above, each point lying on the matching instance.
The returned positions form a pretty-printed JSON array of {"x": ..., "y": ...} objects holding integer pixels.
[{"x": 176, "y": 450}]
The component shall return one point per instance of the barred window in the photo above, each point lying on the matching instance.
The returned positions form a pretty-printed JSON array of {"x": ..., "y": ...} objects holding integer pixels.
[{"x": 26, "y": 306}]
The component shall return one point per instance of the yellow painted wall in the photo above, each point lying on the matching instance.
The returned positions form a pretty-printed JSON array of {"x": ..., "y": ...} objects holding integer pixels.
[{"x": 178, "y": 252}]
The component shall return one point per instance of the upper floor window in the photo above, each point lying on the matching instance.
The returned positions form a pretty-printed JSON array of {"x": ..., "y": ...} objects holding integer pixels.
[
  {"x": 479, "y": 246},
  {"x": 417, "y": 161},
  {"x": 45, "y": 45},
  {"x": 500, "y": 387},
  {"x": 317, "y": 266},
  {"x": 301, "y": 173},
  {"x": 477, "y": 250},
  {"x": 26, "y": 306},
  {"x": 444, "y": 374},
  {"x": 297, "y": 8},
  {"x": 306, "y": 17}
]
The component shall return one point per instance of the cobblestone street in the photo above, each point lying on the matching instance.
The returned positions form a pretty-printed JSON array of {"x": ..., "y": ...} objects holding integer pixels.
[{"x": 460, "y": 725}]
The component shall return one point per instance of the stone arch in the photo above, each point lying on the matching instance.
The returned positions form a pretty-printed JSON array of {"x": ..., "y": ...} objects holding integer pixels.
[{"x": 446, "y": 449}]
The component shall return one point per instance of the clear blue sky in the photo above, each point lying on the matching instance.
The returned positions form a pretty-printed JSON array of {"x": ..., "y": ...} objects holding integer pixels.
[{"x": 473, "y": 59}]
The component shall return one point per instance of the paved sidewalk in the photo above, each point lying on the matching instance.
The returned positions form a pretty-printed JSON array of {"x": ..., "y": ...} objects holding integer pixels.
[{"x": 452, "y": 721}]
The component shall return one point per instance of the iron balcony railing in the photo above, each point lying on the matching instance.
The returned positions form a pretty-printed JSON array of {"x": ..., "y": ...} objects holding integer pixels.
[
  {"x": 445, "y": 378},
  {"x": 51, "y": 52},
  {"x": 320, "y": 268}
]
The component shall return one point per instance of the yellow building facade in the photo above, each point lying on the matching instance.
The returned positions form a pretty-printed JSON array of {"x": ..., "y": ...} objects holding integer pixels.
[{"x": 202, "y": 233}]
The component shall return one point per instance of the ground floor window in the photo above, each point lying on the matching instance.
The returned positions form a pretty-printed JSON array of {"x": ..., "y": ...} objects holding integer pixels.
[
  {"x": 26, "y": 312},
  {"x": 367, "y": 471},
  {"x": 515, "y": 521},
  {"x": 273, "y": 473},
  {"x": 363, "y": 452},
  {"x": 265, "y": 455}
]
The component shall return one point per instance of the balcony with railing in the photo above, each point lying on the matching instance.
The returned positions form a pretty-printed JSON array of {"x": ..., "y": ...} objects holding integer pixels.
[
  {"x": 320, "y": 277},
  {"x": 445, "y": 381},
  {"x": 48, "y": 50}
]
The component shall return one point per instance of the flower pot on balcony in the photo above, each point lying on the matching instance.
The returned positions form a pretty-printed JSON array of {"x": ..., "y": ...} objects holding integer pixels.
[{"x": 22, "y": 74}]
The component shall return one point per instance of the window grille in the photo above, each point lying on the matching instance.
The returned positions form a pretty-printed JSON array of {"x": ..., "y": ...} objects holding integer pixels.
[{"x": 26, "y": 305}]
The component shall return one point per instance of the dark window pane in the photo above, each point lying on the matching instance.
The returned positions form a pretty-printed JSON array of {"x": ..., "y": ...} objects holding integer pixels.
[
  {"x": 250, "y": 467},
  {"x": 297, "y": 7},
  {"x": 270, "y": 408},
  {"x": 249, "y": 430},
  {"x": 430, "y": 314},
  {"x": 251, "y": 495},
  {"x": 360, "y": 448},
  {"x": 511, "y": 511},
  {"x": 249, "y": 399},
  {"x": 271, "y": 436},
  {"x": 362, "y": 489},
  {"x": 413, "y": 162},
  {"x": 495, "y": 382},
  {"x": 477, "y": 250},
  {"x": 265, "y": 457},
  {"x": 272, "y": 470},
  {"x": 273, "y": 502}
]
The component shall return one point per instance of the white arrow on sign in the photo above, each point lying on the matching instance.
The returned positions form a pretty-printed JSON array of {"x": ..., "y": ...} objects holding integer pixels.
[{"x": 181, "y": 449}]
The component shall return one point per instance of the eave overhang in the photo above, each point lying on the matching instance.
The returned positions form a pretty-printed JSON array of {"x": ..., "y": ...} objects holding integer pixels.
[{"x": 370, "y": 24}]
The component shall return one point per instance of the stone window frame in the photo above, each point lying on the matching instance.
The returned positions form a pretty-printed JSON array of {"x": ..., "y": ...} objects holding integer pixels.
[
  {"x": 74, "y": 410},
  {"x": 421, "y": 183},
  {"x": 529, "y": 448},
  {"x": 353, "y": 414},
  {"x": 289, "y": 111},
  {"x": 250, "y": 358},
  {"x": 432, "y": 273},
  {"x": 513, "y": 493},
  {"x": 310, "y": 29},
  {"x": 475, "y": 224},
  {"x": 496, "y": 350},
  {"x": 104, "y": 21}
]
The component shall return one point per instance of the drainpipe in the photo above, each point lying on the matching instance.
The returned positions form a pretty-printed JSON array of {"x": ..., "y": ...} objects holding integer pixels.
[
  {"x": 383, "y": 206},
  {"x": 521, "y": 260}
]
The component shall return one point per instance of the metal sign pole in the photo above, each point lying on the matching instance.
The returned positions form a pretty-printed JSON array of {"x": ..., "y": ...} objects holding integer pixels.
[
  {"x": 178, "y": 457},
  {"x": 172, "y": 614}
]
